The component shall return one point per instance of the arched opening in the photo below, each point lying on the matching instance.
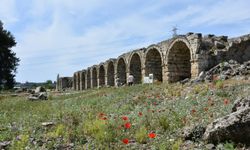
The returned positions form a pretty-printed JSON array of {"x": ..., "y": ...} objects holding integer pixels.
[
  {"x": 78, "y": 80},
  {"x": 179, "y": 65},
  {"x": 94, "y": 77},
  {"x": 101, "y": 76},
  {"x": 83, "y": 80},
  {"x": 153, "y": 64},
  {"x": 135, "y": 68},
  {"x": 88, "y": 79},
  {"x": 75, "y": 81},
  {"x": 110, "y": 73},
  {"x": 121, "y": 71}
]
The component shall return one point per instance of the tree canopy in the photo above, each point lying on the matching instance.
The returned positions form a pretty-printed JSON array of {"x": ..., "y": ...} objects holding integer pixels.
[{"x": 8, "y": 59}]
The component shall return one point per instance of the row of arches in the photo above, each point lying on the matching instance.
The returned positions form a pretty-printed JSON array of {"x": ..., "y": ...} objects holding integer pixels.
[{"x": 177, "y": 67}]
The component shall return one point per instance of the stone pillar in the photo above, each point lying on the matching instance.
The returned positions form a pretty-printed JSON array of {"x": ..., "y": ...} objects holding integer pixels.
[
  {"x": 86, "y": 80},
  {"x": 164, "y": 74},
  {"x": 81, "y": 88},
  {"x": 91, "y": 79}
]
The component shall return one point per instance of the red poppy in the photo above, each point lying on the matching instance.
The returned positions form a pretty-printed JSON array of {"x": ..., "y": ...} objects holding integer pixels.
[
  {"x": 104, "y": 118},
  {"x": 205, "y": 109},
  {"x": 151, "y": 135},
  {"x": 125, "y": 118},
  {"x": 127, "y": 125},
  {"x": 125, "y": 141},
  {"x": 101, "y": 114},
  {"x": 226, "y": 101},
  {"x": 155, "y": 103},
  {"x": 140, "y": 113},
  {"x": 193, "y": 111}
]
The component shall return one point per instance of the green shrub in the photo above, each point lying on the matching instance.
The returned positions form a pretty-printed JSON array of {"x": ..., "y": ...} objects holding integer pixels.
[
  {"x": 164, "y": 122},
  {"x": 100, "y": 130},
  {"x": 141, "y": 135},
  {"x": 21, "y": 143}
]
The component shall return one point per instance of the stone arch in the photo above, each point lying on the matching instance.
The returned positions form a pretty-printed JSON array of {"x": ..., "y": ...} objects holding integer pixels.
[
  {"x": 153, "y": 63},
  {"x": 89, "y": 79},
  {"x": 94, "y": 77},
  {"x": 101, "y": 75},
  {"x": 122, "y": 71},
  {"x": 111, "y": 74},
  {"x": 74, "y": 81},
  {"x": 135, "y": 67},
  {"x": 78, "y": 80},
  {"x": 179, "y": 58},
  {"x": 83, "y": 80}
]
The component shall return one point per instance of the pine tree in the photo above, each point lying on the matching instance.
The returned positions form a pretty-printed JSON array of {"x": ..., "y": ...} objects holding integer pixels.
[{"x": 8, "y": 59}]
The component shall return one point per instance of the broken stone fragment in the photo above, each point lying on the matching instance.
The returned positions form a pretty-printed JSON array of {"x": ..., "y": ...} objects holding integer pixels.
[
  {"x": 234, "y": 127},
  {"x": 4, "y": 144},
  {"x": 47, "y": 124}
]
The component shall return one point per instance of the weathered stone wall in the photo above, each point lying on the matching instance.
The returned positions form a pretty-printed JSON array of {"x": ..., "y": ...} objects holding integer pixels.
[
  {"x": 64, "y": 83},
  {"x": 172, "y": 60}
]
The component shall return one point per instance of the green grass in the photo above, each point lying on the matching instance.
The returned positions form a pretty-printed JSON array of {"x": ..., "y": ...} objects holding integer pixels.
[{"x": 93, "y": 118}]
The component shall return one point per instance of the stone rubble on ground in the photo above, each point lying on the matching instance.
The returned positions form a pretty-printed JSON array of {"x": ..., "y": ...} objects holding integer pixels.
[
  {"x": 223, "y": 71},
  {"x": 234, "y": 127},
  {"x": 4, "y": 144},
  {"x": 48, "y": 124},
  {"x": 39, "y": 94}
]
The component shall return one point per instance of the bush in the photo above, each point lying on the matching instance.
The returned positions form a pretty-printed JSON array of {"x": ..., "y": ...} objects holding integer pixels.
[{"x": 141, "y": 135}]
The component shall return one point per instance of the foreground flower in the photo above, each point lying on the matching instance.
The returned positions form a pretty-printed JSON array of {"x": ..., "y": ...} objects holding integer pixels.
[
  {"x": 125, "y": 118},
  {"x": 125, "y": 141},
  {"x": 101, "y": 115},
  {"x": 193, "y": 111},
  {"x": 205, "y": 109},
  {"x": 151, "y": 135},
  {"x": 127, "y": 125},
  {"x": 140, "y": 113},
  {"x": 104, "y": 118},
  {"x": 226, "y": 101}
]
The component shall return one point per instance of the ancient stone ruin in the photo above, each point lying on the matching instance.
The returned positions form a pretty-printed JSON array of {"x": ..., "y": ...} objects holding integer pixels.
[{"x": 173, "y": 60}]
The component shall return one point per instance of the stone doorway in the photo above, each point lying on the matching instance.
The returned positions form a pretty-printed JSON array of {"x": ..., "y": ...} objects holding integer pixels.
[
  {"x": 153, "y": 64},
  {"x": 179, "y": 62},
  {"x": 110, "y": 72},
  {"x": 88, "y": 79},
  {"x": 121, "y": 71},
  {"x": 135, "y": 68},
  {"x": 83, "y": 80},
  {"x": 94, "y": 77},
  {"x": 101, "y": 76}
]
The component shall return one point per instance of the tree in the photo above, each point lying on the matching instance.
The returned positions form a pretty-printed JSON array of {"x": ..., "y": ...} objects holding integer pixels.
[
  {"x": 49, "y": 84},
  {"x": 8, "y": 59}
]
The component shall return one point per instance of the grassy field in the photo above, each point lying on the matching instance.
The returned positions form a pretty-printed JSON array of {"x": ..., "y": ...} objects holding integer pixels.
[{"x": 137, "y": 117}]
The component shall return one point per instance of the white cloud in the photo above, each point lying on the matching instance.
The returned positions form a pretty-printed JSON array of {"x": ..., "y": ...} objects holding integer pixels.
[
  {"x": 223, "y": 12},
  {"x": 7, "y": 12},
  {"x": 65, "y": 36}
]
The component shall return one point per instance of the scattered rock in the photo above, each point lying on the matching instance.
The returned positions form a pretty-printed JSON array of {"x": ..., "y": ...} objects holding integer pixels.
[
  {"x": 240, "y": 104},
  {"x": 193, "y": 133},
  {"x": 39, "y": 94},
  {"x": 4, "y": 144},
  {"x": 40, "y": 89},
  {"x": 48, "y": 124},
  {"x": 210, "y": 146},
  {"x": 233, "y": 127},
  {"x": 219, "y": 45},
  {"x": 185, "y": 81},
  {"x": 226, "y": 70}
]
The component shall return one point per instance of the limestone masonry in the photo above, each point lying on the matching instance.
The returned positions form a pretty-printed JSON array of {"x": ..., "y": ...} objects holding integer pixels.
[{"x": 176, "y": 59}]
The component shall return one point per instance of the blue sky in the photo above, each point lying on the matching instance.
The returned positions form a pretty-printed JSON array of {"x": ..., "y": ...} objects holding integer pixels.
[{"x": 63, "y": 36}]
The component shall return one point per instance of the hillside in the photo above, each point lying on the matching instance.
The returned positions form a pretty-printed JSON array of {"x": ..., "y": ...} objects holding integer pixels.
[{"x": 136, "y": 117}]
